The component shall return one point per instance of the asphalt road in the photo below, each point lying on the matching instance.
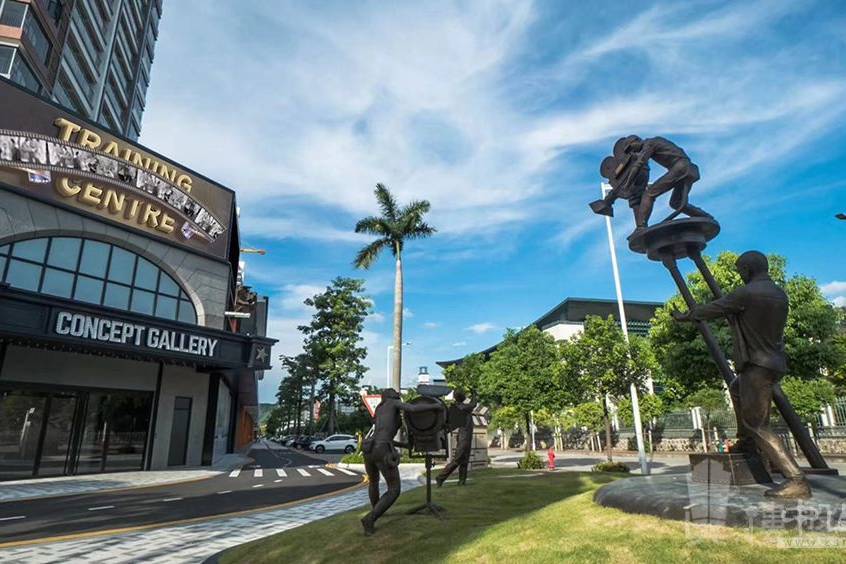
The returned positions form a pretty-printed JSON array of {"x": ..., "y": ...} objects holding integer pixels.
[{"x": 278, "y": 476}]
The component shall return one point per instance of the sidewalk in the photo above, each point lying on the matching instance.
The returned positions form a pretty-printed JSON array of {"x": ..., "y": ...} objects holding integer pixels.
[
  {"x": 70, "y": 485},
  {"x": 197, "y": 542}
]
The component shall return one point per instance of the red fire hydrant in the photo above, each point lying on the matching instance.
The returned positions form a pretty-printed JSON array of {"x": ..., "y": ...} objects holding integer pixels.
[{"x": 550, "y": 456}]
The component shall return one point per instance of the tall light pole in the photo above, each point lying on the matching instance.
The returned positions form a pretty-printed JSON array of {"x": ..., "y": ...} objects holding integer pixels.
[
  {"x": 388, "y": 365},
  {"x": 641, "y": 452}
]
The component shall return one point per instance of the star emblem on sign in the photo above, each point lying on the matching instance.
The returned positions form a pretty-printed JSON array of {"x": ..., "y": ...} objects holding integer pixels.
[{"x": 261, "y": 354}]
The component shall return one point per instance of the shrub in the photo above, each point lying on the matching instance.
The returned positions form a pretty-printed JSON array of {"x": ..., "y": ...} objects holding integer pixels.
[
  {"x": 530, "y": 461},
  {"x": 611, "y": 467},
  {"x": 358, "y": 458}
]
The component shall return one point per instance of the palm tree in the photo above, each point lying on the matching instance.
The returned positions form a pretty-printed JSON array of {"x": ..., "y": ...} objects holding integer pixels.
[{"x": 392, "y": 228}]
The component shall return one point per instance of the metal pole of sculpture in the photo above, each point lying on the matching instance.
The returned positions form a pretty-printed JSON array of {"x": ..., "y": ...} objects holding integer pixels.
[
  {"x": 759, "y": 308},
  {"x": 674, "y": 239},
  {"x": 380, "y": 456},
  {"x": 460, "y": 416}
]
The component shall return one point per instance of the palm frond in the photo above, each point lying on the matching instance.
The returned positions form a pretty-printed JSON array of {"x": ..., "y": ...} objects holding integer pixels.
[
  {"x": 372, "y": 225},
  {"x": 417, "y": 207},
  {"x": 368, "y": 255},
  {"x": 387, "y": 203},
  {"x": 420, "y": 231}
]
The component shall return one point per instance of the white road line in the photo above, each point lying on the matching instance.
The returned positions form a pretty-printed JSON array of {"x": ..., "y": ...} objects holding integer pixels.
[
  {"x": 224, "y": 492},
  {"x": 281, "y": 473},
  {"x": 345, "y": 471},
  {"x": 235, "y": 473},
  {"x": 258, "y": 485},
  {"x": 314, "y": 466},
  {"x": 276, "y": 481},
  {"x": 12, "y": 518},
  {"x": 324, "y": 471},
  {"x": 101, "y": 507},
  {"x": 171, "y": 499},
  {"x": 303, "y": 472},
  {"x": 259, "y": 473}
]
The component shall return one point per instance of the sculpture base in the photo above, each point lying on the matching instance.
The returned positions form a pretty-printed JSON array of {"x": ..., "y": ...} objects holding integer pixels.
[
  {"x": 730, "y": 469},
  {"x": 678, "y": 238},
  {"x": 678, "y": 497}
]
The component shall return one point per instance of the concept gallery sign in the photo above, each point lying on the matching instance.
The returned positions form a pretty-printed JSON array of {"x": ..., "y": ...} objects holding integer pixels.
[
  {"x": 104, "y": 329},
  {"x": 50, "y": 154}
]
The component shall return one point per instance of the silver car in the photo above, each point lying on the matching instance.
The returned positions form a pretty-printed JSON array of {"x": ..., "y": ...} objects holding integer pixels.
[{"x": 345, "y": 443}]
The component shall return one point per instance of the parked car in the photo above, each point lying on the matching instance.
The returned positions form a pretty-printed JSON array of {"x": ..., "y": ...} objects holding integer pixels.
[{"x": 345, "y": 443}]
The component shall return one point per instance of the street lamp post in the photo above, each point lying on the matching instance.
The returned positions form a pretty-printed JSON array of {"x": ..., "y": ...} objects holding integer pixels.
[{"x": 641, "y": 452}]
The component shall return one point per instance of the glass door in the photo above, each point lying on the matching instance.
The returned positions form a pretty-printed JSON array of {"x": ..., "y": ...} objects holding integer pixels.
[
  {"x": 21, "y": 415},
  {"x": 55, "y": 448}
]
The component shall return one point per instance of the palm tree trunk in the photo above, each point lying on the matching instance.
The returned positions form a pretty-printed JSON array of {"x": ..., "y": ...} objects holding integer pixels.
[{"x": 396, "y": 379}]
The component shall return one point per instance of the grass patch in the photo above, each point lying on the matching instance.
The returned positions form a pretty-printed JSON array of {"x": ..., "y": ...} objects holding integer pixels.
[{"x": 507, "y": 515}]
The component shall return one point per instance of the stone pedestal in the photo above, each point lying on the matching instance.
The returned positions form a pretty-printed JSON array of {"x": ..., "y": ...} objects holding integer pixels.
[{"x": 728, "y": 469}]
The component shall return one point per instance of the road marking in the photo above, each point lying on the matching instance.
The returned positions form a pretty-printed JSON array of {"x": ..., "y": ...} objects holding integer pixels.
[
  {"x": 12, "y": 518},
  {"x": 258, "y": 485},
  {"x": 259, "y": 473},
  {"x": 303, "y": 472},
  {"x": 345, "y": 471},
  {"x": 171, "y": 499},
  {"x": 101, "y": 507},
  {"x": 324, "y": 471},
  {"x": 224, "y": 492},
  {"x": 276, "y": 481},
  {"x": 314, "y": 466},
  {"x": 281, "y": 473},
  {"x": 235, "y": 473}
]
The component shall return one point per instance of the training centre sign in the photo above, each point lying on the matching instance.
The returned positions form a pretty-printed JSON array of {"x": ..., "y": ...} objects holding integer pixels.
[{"x": 50, "y": 154}]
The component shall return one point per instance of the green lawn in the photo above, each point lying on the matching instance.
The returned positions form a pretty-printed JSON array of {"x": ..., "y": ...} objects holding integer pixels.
[{"x": 519, "y": 517}]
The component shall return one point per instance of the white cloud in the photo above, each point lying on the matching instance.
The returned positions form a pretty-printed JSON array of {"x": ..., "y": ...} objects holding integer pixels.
[
  {"x": 431, "y": 325},
  {"x": 833, "y": 288},
  {"x": 460, "y": 344},
  {"x": 480, "y": 328},
  {"x": 840, "y": 301},
  {"x": 407, "y": 313},
  {"x": 376, "y": 317},
  {"x": 294, "y": 295}
]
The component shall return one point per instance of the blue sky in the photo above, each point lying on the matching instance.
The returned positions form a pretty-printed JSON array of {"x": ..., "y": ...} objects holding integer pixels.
[{"x": 499, "y": 113}]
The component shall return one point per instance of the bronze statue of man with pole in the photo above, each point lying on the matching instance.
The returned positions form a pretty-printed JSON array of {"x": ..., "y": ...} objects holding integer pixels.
[{"x": 460, "y": 416}]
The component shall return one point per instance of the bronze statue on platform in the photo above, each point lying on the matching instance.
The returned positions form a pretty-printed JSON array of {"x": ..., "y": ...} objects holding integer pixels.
[
  {"x": 628, "y": 173},
  {"x": 460, "y": 416},
  {"x": 759, "y": 308},
  {"x": 380, "y": 456}
]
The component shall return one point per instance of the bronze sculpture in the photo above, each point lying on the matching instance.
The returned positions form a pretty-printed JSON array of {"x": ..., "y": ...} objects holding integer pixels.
[
  {"x": 380, "y": 456},
  {"x": 461, "y": 418},
  {"x": 759, "y": 308},
  {"x": 625, "y": 172}
]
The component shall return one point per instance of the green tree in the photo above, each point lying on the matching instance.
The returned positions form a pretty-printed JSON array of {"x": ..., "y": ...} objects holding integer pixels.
[
  {"x": 812, "y": 344},
  {"x": 651, "y": 407},
  {"x": 506, "y": 418},
  {"x": 809, "y": 397},
  {"x": 273, "y": 426},
  {"x": 607, "y": 365},
  {"x": 290, "y": 395},
  {"x": 710, "y": 401},
  {"x": 465, "y": 375},
  {"x": 393, "y": 228},
  {"x": 332, "y": 341},
  {"x": 525, "y": 373}
]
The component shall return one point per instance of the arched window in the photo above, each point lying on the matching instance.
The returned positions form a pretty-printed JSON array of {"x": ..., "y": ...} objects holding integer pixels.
[{"x": 94, "y": 272}]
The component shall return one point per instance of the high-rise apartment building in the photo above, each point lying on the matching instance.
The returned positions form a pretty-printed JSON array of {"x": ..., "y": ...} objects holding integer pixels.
[{"x": 91, "y": 56}]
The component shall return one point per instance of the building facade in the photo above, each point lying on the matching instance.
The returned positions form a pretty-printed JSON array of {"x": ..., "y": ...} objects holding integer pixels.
[
  {"x": 118, "y": 270},
  {"x": 91, "y": 56}
]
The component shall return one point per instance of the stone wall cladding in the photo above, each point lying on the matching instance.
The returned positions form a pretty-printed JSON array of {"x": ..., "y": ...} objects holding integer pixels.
[{"x": 206, "y": 280}]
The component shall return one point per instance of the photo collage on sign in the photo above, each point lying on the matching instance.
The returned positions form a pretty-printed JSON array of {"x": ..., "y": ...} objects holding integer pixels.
[{"x": 33, "y": 151}]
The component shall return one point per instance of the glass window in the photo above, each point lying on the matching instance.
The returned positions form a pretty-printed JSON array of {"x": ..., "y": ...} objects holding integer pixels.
[
  {"x": 57, "y": 283},
  {"x": 146, "y": 274},
  {"x": 24, "y": 275},
  {"x": 64, "y": 252},
  {"x": 166, "y": 307},
  {"x": 34, "y": 33},
  {"x": 168, "y": 286},
  {"x": 116, "y": 296},
  {"x": 22, "y": 74},
  {"x": 13, "y": 13},
  {"x": 95, "y": 255},
  {"x": 7, "y": 53},
  {"x": 97, "y": 273},
  {"x": 122, "y": 266},
  {"x": 142, "y": 302},
  {"x": 186, "y": 312},
  {"x": 33, "y": 250},
  {"x": 88, "y": 289}
]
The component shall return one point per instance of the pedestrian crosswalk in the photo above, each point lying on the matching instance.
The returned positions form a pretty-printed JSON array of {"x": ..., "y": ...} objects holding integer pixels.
[{"x": 282, "y": 473}]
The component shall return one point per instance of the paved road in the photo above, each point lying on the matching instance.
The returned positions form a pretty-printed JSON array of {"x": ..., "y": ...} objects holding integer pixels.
[{"x": 278, "y": 476}]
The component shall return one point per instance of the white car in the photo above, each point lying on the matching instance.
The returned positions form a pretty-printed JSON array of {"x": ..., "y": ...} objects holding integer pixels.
[{"x": 346, "y": 443}]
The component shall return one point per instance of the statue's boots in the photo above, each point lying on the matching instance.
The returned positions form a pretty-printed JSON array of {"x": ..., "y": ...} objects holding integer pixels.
[
  {"x": 440, "y": 480},
  {"x": 368, "y": 524},
  {"x": 794, "y": 488}
]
